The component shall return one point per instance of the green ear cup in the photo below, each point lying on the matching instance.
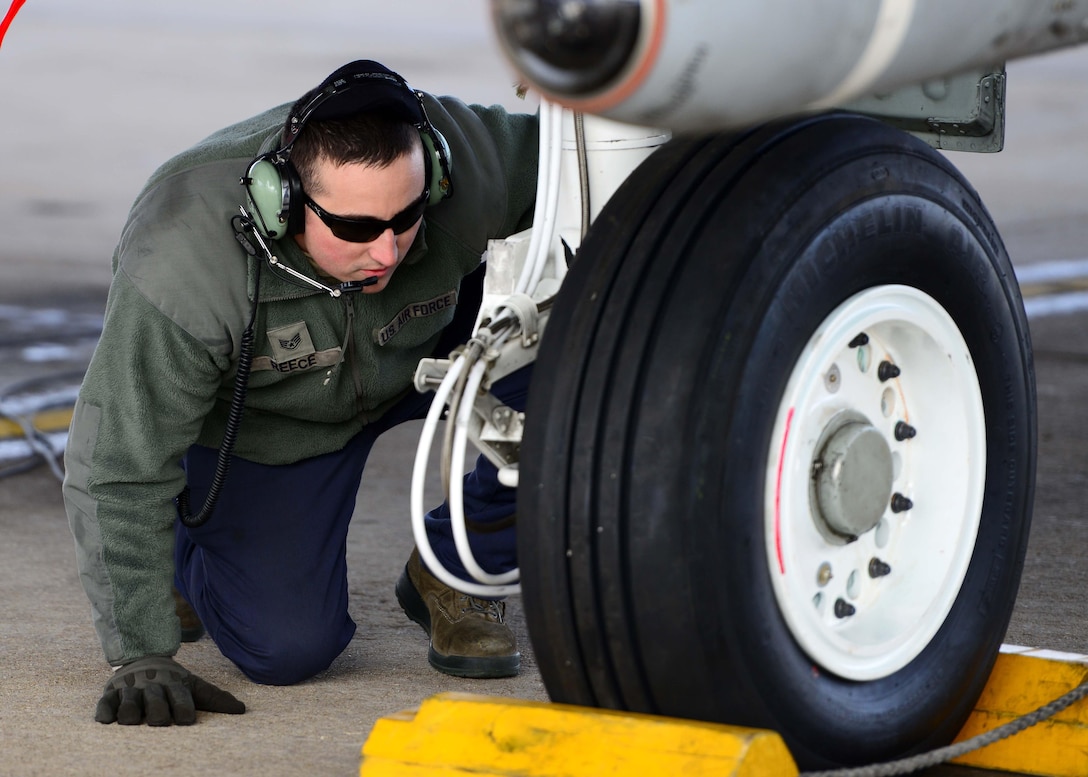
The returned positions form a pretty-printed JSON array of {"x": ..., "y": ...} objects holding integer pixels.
[
  {"x": 267, "y": 194},
  {"x": 440, "y": 164}
]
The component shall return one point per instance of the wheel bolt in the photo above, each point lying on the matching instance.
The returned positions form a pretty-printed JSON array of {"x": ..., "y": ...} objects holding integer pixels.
[
  {"x": 900, "y": 503},
  {"x": 904, "y": 431},
  {"x": 878, "y": 568},
  {"x": 886, "y": 371},
  {"x": 860, "y": 340},
  {"x": 823, "y": 574},
  {"x": 843, "y": 608}
]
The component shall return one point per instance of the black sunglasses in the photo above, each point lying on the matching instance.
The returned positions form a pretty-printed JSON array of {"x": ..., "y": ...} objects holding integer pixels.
[{"x": 368, "y": 228}]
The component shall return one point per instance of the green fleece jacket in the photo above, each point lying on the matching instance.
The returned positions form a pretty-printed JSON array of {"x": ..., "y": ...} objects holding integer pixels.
[{"x": 162, "y": 374}]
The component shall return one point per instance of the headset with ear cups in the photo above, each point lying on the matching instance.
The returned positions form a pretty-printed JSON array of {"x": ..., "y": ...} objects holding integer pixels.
[{"x": 272, "y": 183}]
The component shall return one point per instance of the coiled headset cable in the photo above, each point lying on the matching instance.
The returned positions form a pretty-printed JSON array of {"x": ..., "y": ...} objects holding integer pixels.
[
  {"x": 234, "y": 420},
  {"x": 246, "y": 233}
]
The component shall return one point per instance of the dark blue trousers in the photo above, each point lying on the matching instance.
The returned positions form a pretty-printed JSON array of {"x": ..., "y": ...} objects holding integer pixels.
[{"x": 267, "y": 574}]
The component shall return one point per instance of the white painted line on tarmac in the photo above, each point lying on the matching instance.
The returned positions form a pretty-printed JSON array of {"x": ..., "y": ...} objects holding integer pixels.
[
  {"x": 1056, "y": 270},
  {"x": 24, "y": 319},
  {"x": 47, "y": 352},
  {"x": 29, "y": 404},
  {"x": 16, "y": 449},
  {"x": 1056, "y": 304},
  {"x": 1053, "y": 272}
]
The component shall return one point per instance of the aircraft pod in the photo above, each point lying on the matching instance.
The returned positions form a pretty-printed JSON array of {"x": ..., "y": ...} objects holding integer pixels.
[{"x": 698, "y": 65}]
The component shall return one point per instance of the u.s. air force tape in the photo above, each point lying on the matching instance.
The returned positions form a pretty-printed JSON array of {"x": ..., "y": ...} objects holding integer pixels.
[{"x": 415, "y": 310}]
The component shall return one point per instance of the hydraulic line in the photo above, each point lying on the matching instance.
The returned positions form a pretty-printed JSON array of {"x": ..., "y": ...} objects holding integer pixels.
[
  {"x": 419, "y": 471},
  {"x": 547, "y": 197},
  {"x": 583, "y": 168},
  {"x": 458, "y": 520},
  {"x": 472, "y": 352},
  {"x": 459, "y": 387},
  {"x": 543, "y": 194}
]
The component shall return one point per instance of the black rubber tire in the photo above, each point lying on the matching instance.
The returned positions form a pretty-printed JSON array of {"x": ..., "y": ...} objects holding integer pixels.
[{"x": 644, "y": 571}]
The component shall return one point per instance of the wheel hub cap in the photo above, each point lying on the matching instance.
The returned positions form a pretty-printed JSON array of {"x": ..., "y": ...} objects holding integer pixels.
[{"x": 853, "y": 480}]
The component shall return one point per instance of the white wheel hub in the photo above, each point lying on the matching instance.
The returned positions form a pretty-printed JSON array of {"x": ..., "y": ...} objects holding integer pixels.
[{"x": 875, "y": 482}]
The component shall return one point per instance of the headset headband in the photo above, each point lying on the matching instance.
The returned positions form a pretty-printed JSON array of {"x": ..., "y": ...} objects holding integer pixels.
[{"x": 379, "y": 89}]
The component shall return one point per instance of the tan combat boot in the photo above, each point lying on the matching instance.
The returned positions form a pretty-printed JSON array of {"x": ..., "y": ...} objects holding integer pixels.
[{"x": 469, "y": 637}]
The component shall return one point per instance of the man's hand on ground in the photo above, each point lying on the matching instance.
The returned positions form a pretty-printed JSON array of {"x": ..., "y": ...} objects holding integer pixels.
[{"x": 160, "y": 692}]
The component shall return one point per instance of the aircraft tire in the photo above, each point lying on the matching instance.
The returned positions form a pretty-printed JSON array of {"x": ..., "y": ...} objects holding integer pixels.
[{"x": 683, "y": 549}]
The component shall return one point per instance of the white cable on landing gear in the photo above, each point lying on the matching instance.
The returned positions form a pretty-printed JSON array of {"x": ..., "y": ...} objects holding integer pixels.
[
  {"x": 547, "y": 197},
  {"x": 456, "y": 496},
  {"x": 419, "y": 470},
  {"x": 459, "y": 389}
]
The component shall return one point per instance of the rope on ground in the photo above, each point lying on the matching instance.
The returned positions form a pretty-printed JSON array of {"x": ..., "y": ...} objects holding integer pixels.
[{"x": 943, "y": 754}]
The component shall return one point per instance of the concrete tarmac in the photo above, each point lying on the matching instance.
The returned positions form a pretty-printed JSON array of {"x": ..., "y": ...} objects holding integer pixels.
[{"x": 96, "y": 95}]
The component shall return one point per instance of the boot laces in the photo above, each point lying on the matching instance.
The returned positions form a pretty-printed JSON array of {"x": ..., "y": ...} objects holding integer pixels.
[{"x": 491, "y": 609}]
